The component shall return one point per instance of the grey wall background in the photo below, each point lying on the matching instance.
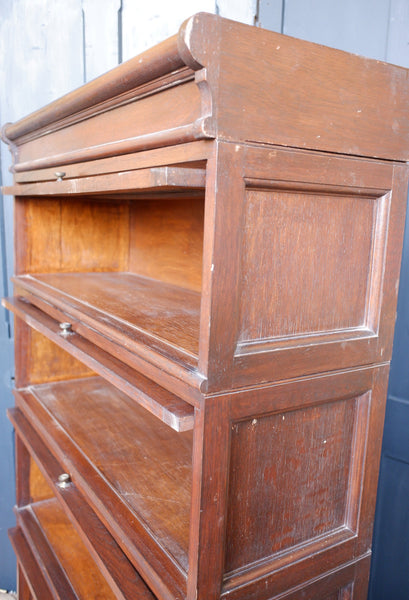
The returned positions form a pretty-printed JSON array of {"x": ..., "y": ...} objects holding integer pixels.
[{"x": 48, "y": 47}]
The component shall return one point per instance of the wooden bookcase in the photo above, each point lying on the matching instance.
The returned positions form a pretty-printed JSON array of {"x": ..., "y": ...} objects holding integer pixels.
[{"x": 208, "y": 245}]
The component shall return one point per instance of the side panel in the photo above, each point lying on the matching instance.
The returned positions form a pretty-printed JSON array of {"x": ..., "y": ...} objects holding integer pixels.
[
  {"x": 286, "y": 493},
  {"x": 309, "y": 278}
]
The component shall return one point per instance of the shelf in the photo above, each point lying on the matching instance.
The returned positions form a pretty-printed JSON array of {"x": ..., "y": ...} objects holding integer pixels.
[
  {"x": 123, "y": 459},
  {"x": 167, "y": 407},
  {"x": 127, "y": 309},
  {"x": 59, "y": 551},
  {"x": 56, "y": 548},
  {"x": 39, "y": 588}
]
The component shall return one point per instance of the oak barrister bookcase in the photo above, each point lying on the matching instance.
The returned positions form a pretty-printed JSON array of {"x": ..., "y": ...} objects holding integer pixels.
[{"x": 208, "y": 244}]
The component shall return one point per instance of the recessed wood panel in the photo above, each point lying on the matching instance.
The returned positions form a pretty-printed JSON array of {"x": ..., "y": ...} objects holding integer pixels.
[
  {"x": 309, "y": 256},
  {"x": 294, "y": 477}
]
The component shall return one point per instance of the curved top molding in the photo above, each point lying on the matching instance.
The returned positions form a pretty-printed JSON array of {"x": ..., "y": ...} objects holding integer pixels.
[
  {"x": 220, "y": 79},
  {"x": 151, "y": 64}
]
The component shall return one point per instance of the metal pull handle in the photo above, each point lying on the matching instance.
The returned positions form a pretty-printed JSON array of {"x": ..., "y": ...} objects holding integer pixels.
[
  {"x": 66, "y": 329},
  {"x": 59, "y": 175},
  {"x": 64, "y": 480}
]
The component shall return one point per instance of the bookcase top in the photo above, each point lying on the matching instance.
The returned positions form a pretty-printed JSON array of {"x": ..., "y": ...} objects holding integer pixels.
[{"x": 249, "y": 85}]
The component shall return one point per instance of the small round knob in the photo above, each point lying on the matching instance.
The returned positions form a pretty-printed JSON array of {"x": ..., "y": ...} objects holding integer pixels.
[
  {"x": 64, "y": 480},
  {"x": 59, "y": 175},
  {"x": 66, "y": 328}
]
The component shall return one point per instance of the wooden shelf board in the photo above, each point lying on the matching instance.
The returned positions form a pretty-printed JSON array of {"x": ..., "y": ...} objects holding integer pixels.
[
  {"x": 140, "y": 466},
  {"x": 128, "y": 308},
  {"x": 61, "y": 554},
  {"x": 38, "y": 584}
]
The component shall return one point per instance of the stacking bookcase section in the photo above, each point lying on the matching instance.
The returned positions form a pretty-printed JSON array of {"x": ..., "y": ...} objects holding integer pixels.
[
  {"x": 54, "y": 539},
  {"x": 124, "y": 462},
  {"x": 123, "y": 269},
  {"x": 208, "y": 245},
  {"x": 125, "y": 306}
]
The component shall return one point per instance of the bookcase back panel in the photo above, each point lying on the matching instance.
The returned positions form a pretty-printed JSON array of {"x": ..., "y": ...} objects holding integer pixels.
[
  {"x": 166, "y": 240},
  {"x": 62, "y": 235},
  {"x": 38, "y": 487}
]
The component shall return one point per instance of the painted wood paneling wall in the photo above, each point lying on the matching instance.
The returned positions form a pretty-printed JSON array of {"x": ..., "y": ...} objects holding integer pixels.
[{"x": 48, "y": 47}]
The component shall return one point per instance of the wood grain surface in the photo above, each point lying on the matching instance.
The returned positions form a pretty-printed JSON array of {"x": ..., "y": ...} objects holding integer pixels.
[
  {"x": 125, "y": 303},
  {"x": 141, "y": 459}
]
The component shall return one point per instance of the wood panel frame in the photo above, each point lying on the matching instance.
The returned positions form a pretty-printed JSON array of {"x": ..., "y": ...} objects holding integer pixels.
[
  {"x": 312, "y": 560},
  {"x": 235, "y": 363}
]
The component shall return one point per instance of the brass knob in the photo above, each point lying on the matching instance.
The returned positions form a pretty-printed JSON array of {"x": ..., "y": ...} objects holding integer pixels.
[
  {"x": 66, "y": 329},
  {"x": 59, "y": 175},
  {"x": 64, "y": 480}
]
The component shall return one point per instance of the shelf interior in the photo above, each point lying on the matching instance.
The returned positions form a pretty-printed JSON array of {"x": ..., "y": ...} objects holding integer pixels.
[
  {"x": 128, "y": 268},
  {"x": 146, "y": 463},
  {"x": 70, "y": 551},
  {"x": 124, "y": 305}
]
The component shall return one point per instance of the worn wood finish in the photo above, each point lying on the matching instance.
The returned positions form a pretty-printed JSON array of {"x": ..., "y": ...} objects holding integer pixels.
[
  {"x": 347, "y": 583},
  {"x": 101, "y": 136},
  {"x": 120, "y": 574},
  {"x": 100, "y": 361},
  {"x": 124, "y": 304},
  {"x": 65, "y": 544},
  {"x": 163, "y": 178},
  {"x": 67, "y": 235},
  {"x": 190, "y": 154},
  {"x": 117, "y": 422},
  {"x": 31, "y": 581},
  {"x": 234, "y": 295},
  {"x": 161, "y": 571},
  {"x": 263, "y": 73},
  {"x": 279, "y": 192},
  {"x": 302, "y": 102},
  {"x": 302, "y": 407},
  {"x": 44, "y": 361}
]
